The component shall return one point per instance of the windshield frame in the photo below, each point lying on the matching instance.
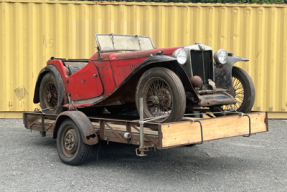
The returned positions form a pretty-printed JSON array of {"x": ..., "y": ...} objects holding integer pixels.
[{"x": 112, "y": 35}]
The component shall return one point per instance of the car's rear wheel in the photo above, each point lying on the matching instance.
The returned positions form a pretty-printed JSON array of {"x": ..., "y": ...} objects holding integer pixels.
[
  {"x": 244, "y": 93},
  {"x": 163, "y": 95},
  {"x": 50, "y": 95}
]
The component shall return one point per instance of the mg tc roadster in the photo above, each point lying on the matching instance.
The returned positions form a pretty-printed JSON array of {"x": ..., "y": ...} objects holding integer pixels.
[{"x": 172, "y": 81}]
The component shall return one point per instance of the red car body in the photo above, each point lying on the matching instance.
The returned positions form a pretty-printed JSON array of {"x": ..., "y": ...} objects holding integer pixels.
[
  {"x": 112, "y": 77},
  {"x": 100, "y": 77}
]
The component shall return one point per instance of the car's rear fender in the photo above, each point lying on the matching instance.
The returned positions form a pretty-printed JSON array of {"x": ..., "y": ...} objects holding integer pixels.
[{"x": 60, "y": 84}]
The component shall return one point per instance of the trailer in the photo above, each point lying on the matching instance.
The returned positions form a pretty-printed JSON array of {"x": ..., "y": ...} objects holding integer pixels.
[{"x": 76, "y": 132}]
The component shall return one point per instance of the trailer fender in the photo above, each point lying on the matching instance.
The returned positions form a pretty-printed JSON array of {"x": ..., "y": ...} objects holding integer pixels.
[
  {"x": 83, "y": 123},
  {"x": 60, "y": 84}
]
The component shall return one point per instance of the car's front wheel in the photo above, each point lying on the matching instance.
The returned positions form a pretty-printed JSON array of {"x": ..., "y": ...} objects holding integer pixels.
[
  {"x": 163, "y": 95},
  {"x": 244, "y": 93}
]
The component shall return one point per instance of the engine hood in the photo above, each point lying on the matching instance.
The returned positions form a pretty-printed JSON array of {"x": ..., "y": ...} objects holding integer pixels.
[{"x": 142, "y": 54}]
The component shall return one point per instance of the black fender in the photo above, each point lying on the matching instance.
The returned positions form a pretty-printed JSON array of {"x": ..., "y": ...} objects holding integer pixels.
[
  {"x": 126, "y": 90},
  {"x": 164, "y": 61},
  {"x": 60, "y": 84},
  {"x": 84, "y": 124},
  {"x": 223, "y": 73}
]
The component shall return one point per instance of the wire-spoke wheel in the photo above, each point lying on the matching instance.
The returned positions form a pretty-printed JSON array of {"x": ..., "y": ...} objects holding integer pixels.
[
  {"x": 157, "y": 97},
  {"x": 244, "y": 93},
  {"x": 238, "y": 95},
  {"x": 50, "y": 95},
  {"x": 163, "y": 95}
]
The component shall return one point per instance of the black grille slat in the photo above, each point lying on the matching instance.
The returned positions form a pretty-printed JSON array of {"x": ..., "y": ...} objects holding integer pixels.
[{"x": 197, "y": 64}]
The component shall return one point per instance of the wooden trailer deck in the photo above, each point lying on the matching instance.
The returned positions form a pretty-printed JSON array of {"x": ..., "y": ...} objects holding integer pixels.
[{"x": 161, "y": 136}]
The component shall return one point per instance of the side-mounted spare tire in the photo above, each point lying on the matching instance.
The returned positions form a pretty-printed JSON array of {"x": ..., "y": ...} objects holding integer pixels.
[
  {"x": 50, "y": 95},
  {"x": 163, "y": 95}
]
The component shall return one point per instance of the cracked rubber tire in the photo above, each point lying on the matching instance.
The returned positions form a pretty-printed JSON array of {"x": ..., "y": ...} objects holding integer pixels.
[
  {"x": 163, "y": 94},
  {"x": 70, "y": 146},
  {"x": 50, "y": 95}
]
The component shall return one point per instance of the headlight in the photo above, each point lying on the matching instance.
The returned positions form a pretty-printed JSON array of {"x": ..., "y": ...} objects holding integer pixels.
[
  {"x": 220, "y": 56},
  {"x": 180, "y": 55}
]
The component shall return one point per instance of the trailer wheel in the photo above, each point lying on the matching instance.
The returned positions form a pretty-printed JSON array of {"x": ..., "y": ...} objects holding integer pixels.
[
  {"x": 70, "y": 146},
  {"x": 50, "y": 95},
  {"x": 244, "y": 93},
  {"x": 163, "y": 94}
]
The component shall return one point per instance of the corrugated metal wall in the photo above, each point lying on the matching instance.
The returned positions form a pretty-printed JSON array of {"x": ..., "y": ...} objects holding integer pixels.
[{"x": 31, "y": 32}]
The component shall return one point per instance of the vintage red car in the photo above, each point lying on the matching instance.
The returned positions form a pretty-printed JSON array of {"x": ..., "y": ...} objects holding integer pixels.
[{"x": 172, "y": 81}]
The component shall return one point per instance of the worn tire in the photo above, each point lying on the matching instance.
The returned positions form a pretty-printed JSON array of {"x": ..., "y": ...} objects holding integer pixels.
[
  {"x": 70, "y": 146},
  {"x": 249, "y": 91},
  {"x": 171, "y": 93},
  {"x": 50, "y": 95}
]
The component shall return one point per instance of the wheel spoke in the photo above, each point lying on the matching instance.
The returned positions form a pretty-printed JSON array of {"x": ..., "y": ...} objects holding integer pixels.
[
  {"x": 239, "y": 95},
  {"x": 158, "y": 97},
  {"x": 50, "y": 95}
]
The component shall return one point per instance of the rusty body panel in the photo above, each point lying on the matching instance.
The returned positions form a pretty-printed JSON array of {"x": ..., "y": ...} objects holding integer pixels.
[
  {"x": 85, "y": 83},
  {"x": 223, "y": 75},
  {"x": 85, "y": 126},
  {"x": 216, "y": 99}
]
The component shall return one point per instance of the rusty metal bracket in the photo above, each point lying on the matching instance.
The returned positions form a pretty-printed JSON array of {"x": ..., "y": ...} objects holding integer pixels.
[
  {"x": 201, "y": 130},
  {"x": 43, "y": 122},
  {"x": 144, "y": 149},
  {"x": 249, "y": 125}
]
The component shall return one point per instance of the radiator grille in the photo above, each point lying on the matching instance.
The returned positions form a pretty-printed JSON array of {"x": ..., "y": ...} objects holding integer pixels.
[{"x": 198, "y": 62}]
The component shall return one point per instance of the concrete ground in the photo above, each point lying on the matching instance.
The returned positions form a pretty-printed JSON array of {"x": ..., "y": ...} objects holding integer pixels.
[{"x": 29, "y": 162}]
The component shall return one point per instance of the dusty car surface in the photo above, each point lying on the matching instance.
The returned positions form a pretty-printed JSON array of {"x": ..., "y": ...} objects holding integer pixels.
[{"x": 172, "y": 81}]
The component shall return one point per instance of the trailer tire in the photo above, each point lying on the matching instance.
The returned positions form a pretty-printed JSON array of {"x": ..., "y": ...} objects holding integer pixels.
[{"x": 70, "y": 146}]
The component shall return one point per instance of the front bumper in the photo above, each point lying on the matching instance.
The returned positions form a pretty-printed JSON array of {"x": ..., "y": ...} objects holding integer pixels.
[{"x": 222, "y": 98}]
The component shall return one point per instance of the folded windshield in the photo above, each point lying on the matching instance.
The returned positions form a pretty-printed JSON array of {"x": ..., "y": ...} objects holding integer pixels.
[{"x": 111, "y": 42}]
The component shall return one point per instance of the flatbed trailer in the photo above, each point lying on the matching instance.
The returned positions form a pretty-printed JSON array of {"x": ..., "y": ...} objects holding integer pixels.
[{"x": 75, "y": 132}]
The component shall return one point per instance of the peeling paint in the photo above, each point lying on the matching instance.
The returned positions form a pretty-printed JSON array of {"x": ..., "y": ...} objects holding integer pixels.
[{"x": 20, "y": 93}]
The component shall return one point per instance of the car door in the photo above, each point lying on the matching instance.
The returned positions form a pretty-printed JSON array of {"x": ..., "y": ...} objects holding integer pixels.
[{"x": 85, "y": 83}]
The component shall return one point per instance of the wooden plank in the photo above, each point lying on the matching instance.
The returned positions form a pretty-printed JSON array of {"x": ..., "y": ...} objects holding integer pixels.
[
  {"x": 188, "y": 132},
  {"x": 118, "y": 127}
]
